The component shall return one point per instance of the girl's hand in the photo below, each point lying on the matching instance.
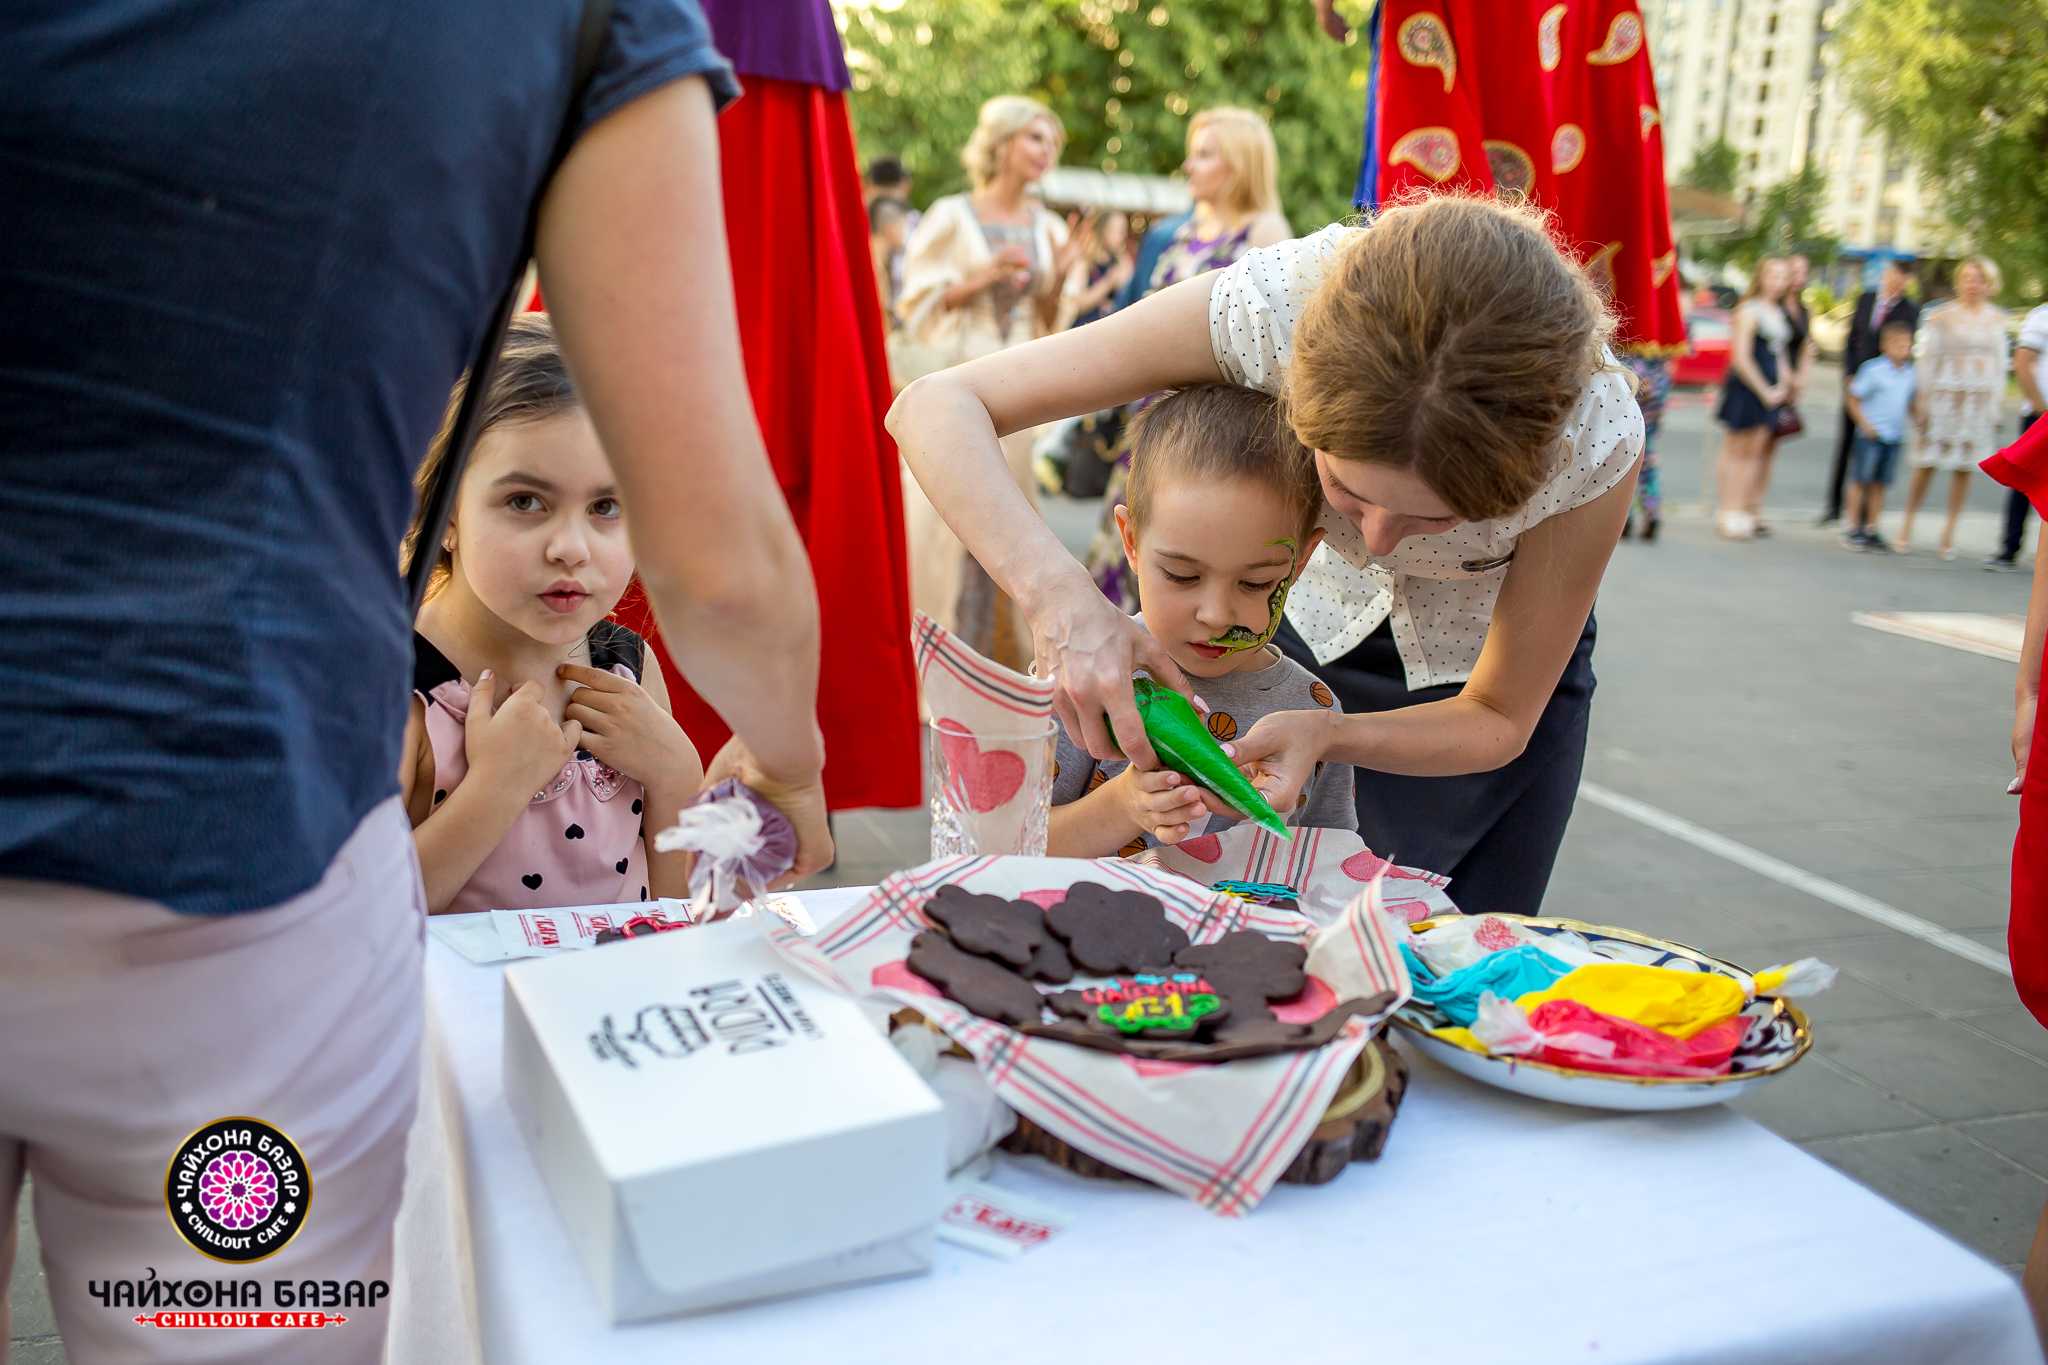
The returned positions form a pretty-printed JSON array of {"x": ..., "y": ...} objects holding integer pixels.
[
  {"x": 1774, "y": 396},
  {"x": 1279, "y": 754},
  {"x": 1162, "y": 804},
  {"x": 2022, "y": 741},
  {"x": 627, "y": 729},
  {"x": 517, "y": 744},
  {"x": 801, "y": 798},
  {"x": 1090, "y": 650}
]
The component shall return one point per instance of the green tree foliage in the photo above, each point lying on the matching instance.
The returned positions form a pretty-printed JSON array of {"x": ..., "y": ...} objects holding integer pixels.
[
  {"x": 1123, "y": 75},
  {"x": 1784, "y": 220},
  {"x": 1963, "y": 86},
  {"x": 1713, "y": 168}
]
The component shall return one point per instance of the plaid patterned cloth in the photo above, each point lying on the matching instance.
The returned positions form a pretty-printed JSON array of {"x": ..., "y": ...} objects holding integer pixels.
[{"x": 1219, "y": 1134}]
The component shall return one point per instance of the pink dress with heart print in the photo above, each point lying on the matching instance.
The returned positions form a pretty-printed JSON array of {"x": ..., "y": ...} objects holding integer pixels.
[{"x": 581, "y": 839}]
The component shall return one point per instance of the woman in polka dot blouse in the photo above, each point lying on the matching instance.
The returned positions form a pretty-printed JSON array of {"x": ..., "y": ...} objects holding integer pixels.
[{"x": 1477, "y": 446}]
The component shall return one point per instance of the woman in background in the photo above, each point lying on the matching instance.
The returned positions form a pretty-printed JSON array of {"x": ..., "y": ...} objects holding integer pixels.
[
  {"x": 1798, "y": 365},
  {"x": 982, "y": 272},
  {"x": 1962, "y": 367},
  {"x": 1757, "y": 386},
  {"x": 1233, "y": 171}
]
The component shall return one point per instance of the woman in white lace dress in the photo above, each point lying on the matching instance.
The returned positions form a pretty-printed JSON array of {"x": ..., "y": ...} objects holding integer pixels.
[{"x": 1962, "y": 365}]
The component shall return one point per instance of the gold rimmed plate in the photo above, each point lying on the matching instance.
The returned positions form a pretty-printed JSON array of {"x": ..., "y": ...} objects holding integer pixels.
[{"x": 1779, "y": 1035}]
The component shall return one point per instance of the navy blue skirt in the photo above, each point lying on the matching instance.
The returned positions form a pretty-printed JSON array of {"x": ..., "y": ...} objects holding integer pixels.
[
  {"x": 1496, "y": 834},
  {"x": 1741, "y": 409}
]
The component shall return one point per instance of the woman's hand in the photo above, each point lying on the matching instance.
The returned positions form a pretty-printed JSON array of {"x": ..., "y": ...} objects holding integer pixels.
[
  {"x": 515, "y": 745},
  {"x": 2022, "y": 740},
  {"x": 1279, "y": 753},
  {"x": 625, "y": 728},
  {"x": 1160, "y": 803},
  {"x": 1090, "y": 650},
  {"x": 801, "y": 798}
]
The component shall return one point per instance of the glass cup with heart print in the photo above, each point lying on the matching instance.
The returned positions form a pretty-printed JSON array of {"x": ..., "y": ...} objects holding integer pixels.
[{"x": 988, "y": 791}]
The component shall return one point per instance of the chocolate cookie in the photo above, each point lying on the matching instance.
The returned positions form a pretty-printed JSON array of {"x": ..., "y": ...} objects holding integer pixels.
[
  {"x": 1248, "y": 963},
  {"x": 1050, "y": 962},
  {"x": 987, "y": 987},
  {"x": 1255, "y": 1026},
  {"x": 989, "y": 925},
  {"x": 1110, "y": 932},
  {"x": 1174, "y": 1005}
]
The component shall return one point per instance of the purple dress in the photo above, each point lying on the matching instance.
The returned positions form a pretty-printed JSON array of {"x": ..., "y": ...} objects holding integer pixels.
[{"x": 783, "y": 40}]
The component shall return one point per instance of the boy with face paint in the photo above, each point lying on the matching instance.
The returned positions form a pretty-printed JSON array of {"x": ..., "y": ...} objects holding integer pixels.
[{"x": 1220, "y": 519}]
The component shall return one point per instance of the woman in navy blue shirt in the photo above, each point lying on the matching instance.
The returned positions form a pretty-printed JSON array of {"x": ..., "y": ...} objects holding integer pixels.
[{"x": 245, "y": 251}]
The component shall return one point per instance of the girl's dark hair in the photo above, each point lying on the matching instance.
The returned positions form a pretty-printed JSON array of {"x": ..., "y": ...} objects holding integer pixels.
[{"x": 529, "y": 383}]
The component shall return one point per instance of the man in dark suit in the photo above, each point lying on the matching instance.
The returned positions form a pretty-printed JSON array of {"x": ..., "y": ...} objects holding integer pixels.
[{"x": 1887, "y": 303}]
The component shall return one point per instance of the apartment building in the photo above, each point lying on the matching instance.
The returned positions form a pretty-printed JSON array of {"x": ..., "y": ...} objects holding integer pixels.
[{"x": 1760, "y": 73}]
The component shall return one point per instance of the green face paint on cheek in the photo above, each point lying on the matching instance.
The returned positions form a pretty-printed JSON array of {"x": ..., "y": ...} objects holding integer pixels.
[{"x": 1239, "y": 638}]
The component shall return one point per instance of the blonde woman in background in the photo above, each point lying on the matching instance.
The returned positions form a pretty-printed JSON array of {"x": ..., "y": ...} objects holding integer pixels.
[
  {"x": 982, "y": 272},
  {"x": 1233, "y": 174},
  {"x": 1757, "y": 386},
  {"x": 1962, "y": 366}
]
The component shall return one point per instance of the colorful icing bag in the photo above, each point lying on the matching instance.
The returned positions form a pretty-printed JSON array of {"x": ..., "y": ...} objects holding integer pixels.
[
  {"x": 1511, "y": 972},
  {"x": 1185, "y": 745},
  {"x": 1566, "y": 1033}
]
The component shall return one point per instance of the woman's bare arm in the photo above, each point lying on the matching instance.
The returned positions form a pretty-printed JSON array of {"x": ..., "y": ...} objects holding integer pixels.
[
  {"x": 1537, "y": 621},
  {"x": 947, "y": 425},
  {"x": 2027, "y": 690}
]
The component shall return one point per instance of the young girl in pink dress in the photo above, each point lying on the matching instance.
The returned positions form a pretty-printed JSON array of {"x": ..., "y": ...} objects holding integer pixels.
[{"x": 540, "y": 744}]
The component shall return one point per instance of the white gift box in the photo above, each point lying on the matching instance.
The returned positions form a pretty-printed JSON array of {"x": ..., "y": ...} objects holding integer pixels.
[{"x": 716, "y": 1127}]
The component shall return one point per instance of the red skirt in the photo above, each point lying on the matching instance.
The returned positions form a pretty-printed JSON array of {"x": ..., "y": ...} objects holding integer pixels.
[
  {"x": 2024, "y": 465},
  {"x": 811, "y": 329}
]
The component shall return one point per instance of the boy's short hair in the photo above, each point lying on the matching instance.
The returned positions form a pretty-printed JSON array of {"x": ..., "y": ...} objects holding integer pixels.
[
  {"x": 1219, "y": 432},
  {"x": 886, "y": 173},
  {"x": 1894, "y": 325}
]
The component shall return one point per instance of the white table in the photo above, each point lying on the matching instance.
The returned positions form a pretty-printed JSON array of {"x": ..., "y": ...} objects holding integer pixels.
[{"x": 1493, "y": 1229}]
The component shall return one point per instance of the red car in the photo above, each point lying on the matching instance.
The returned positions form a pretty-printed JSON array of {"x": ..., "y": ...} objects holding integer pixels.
[{"x": 1707, "y": 334}]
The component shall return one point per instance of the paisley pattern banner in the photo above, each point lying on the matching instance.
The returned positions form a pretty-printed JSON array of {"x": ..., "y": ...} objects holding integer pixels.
[{"x": 1551, "y": 100}]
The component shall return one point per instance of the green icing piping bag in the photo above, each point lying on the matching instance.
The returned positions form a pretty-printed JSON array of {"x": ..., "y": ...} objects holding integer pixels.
[{"x": 1185, "y": 745}]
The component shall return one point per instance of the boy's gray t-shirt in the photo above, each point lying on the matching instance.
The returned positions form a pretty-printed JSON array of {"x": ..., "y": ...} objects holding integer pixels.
[{"x": 1236, "y": 703}]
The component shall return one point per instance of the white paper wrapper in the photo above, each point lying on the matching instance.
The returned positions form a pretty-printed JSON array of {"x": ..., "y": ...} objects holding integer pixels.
[
  {"x": 998, "y": 1222},
  {"x": 1220, "y": 1134},
  {"x": 1327, "y": 866}
]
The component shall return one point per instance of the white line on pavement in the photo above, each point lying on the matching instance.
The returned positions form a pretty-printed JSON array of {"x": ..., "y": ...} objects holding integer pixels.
[{"x": 1798, "y": 878}]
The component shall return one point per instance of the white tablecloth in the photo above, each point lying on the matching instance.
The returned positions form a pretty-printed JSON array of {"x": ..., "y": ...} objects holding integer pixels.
[{"x": 1493, "y": 1229}]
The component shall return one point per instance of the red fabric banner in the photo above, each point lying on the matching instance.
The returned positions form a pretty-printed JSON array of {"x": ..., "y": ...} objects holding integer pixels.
[
  {"x": 811, "y": 329},
  {"x": 1551, "y": 99}
]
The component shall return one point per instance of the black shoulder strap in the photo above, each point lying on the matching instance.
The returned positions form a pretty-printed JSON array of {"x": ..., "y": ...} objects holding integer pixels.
[
  {"x": 612, "y": 643},
  {"x": 590, "y": 36}
]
